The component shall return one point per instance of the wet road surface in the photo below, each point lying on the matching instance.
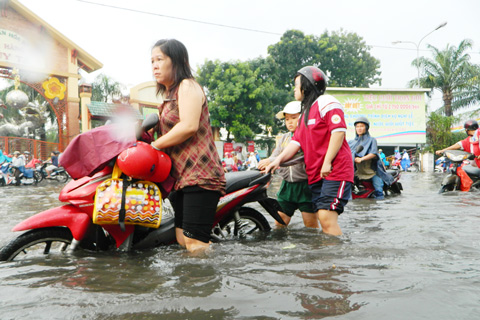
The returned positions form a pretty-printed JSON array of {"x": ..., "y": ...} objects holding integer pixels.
[{"x": 412, "y": 256}]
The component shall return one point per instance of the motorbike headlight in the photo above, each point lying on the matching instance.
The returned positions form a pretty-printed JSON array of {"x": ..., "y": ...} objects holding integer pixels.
[{"x": 456, "y": 157}]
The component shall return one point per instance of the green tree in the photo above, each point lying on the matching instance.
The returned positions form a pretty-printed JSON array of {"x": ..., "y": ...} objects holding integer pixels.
[
  {"x": 105, "y": 89},
  {"x": 471, "y": 94},
  {"x": 439, "y": 135},
  {"x": 294, "y": 51},
  {"x": 347, "y": 58},
  {"x": 450, "y": 72},
  {"x": 239, "y": 97},
  {"x": 343, "y": 56}
]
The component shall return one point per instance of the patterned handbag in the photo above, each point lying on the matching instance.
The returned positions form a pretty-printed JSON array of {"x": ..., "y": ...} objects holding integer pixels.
[{"x": 120, "y": 201}]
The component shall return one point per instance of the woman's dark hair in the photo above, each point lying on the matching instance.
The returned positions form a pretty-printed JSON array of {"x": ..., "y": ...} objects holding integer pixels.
[
  {"x": 177, "y": 52},
  {"x": 310, "y": 94}
]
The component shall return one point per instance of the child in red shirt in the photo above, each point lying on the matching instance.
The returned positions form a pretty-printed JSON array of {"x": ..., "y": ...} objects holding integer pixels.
[{"x": 321, "y": 136}]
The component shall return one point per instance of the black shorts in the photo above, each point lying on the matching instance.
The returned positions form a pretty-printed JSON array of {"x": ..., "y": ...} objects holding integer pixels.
[
  {"x": 331, "y": 195},
  {"x": 195, "y": 210}
]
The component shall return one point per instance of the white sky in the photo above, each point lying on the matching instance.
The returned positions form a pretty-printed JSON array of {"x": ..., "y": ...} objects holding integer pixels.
[{"x": 122, "y": 40}]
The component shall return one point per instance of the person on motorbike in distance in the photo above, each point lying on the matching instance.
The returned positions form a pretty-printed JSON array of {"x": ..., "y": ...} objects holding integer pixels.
[
  {"x": 53, "y": 163},
  {"x": 294, "y": 192},
  {"x": 470, "y": 143},
  {"x": 185, "y": 134},
  {"x": 367, "y": 162},
  {"x": 321, "y": 136},
  {"x": 18, "y": 162}
]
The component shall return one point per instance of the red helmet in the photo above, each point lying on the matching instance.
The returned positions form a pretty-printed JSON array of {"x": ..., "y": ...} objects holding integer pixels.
[
  {"x": 471, "y": 125},
  {"x": 162, "y": 168},
  {"x": 139, "y": 161},
  {"x": 316, "y": 77}
]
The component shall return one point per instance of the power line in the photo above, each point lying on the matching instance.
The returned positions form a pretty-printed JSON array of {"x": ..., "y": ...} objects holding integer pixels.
[
  {"x": 221, "y": 25},
  {"x": 180, "y": 18}
]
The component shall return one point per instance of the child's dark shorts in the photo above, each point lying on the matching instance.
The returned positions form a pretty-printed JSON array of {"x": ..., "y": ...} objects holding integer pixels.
[
  {"x": 331, "y": 195},
  {"x": 295, "y": 195}
]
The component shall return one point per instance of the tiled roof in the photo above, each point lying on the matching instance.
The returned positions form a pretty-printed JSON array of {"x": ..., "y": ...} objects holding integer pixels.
[{"x": 103, "y": 109}]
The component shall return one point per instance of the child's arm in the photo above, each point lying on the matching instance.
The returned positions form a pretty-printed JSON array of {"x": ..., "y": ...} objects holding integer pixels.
[
  {"x": 336, "y": 140},
  {"x": 287, "y": 153}
]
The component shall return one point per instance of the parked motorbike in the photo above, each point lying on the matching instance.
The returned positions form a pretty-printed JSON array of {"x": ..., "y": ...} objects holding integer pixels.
[
  {"x": 453, "y": 180},
  {"x": 59, "y": 174},
  {"x": 70, "y": 226},
  {"x": 363, "y": 189}
]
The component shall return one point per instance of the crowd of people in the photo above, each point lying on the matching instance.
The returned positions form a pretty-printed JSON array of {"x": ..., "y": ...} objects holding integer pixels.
[{"x": 12, "y": 166}]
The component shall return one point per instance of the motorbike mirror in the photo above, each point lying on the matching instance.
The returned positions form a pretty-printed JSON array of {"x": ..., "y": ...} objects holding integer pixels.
[
  {"x": 148, "y": 123},
  {"x": 359, "y": 149}
]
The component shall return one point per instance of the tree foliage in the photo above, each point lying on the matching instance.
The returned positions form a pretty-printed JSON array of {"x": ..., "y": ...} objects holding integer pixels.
[
  {"x": 451, "y": 72},
  {"x": 347, "y": 58},
  {"x": 343, "y": 56},
  {"x": 240, "y": 99},
  {"x": 105, "y": 89},
  {"x": 471, "y": 94},
  {"x": 244, "y": 96},
  {"x": 439, "y": 135}
]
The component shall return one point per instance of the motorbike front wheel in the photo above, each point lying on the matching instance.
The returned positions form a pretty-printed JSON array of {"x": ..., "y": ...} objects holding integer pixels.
[
  {"x": 446, "y": 187},
  {"x": 250, "y": 223},
  {"x": 396, "y": 187},
  {"x": 44, "y": 242}
]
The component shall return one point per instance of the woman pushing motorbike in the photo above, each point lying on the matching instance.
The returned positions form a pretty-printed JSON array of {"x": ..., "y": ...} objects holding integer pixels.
[
  {"x": 186, "y": 136},
  {"x": 321, "y": 136},
  {"x": 367, "y": 162}
]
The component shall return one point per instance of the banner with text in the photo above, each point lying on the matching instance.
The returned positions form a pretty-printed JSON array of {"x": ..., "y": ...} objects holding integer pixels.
[{"x": 395, "y": 117}]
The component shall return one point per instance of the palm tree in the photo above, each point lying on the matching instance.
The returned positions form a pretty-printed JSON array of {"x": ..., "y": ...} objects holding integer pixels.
[
  {"x": 471, "y": 95},
  {"x": 105, "y": 89},
  {"x": 450, "y": 71}
]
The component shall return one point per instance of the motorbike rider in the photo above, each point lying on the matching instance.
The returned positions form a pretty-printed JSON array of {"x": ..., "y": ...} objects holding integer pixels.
[
  {"x": 470, "y": 143},
  {"x": 53, "y": 163},
  {"x": 18, "y": 162},
  {"x": 367, "y": 161},
  {"x": 383, "y": 158}
]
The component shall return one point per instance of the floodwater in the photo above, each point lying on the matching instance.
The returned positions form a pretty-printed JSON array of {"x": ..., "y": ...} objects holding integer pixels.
[{"x": 412, "y": 256}]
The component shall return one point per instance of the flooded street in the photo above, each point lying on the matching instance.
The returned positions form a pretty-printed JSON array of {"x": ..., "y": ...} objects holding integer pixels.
[{"x": 412, "y": 256}]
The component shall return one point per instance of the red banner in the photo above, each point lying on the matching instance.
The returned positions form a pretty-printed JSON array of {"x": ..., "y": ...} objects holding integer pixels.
[
  {"x": 251, "y": 146},
  {"x": 227, "y": 147}
]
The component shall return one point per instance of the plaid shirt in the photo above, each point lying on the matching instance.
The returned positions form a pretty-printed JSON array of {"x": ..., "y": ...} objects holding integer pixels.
[{"x": 195, "y": 162}]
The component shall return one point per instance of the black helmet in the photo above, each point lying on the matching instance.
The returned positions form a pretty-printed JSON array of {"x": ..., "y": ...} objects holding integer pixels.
[
  {"x": 315, "y": 76},
  {"x": 471, "y": 125},
  {"x": 362, "y": 120}
]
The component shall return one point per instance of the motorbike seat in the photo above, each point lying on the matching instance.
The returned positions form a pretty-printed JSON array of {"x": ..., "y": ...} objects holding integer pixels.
[
  {"x": 393, "y": 172},
  {"x": 472, "y": 171},
  {"x": 240, "y": 179}
]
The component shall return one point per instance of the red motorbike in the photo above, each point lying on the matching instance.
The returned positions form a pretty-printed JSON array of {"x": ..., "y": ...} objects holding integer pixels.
[
  {"x": 363, "y": 189},
  {"x": 70, "y": 227}
]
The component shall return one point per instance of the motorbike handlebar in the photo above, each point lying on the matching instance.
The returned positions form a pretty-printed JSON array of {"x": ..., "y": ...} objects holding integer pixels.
[{"x": 148, "y": 123}]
